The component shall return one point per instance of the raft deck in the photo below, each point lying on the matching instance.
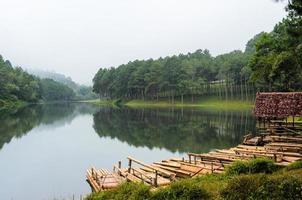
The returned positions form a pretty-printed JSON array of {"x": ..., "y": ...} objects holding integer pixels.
[{"x": 283, "y": 148}]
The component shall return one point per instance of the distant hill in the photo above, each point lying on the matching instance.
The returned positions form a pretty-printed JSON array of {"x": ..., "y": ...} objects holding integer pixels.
[
  {"x": 54, "y": 76},
  {"x": 82, "y": 92}
]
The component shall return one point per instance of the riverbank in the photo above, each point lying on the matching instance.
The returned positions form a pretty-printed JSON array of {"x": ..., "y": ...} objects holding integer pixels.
[
  {"x": 206, "y": 103},
  {"x": 263, "y": 180},
  {"x": 98, "y": 102}
]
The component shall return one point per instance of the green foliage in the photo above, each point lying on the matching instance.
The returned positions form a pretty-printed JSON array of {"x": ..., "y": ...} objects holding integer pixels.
[
  {"x": 278, "y": 185},
  {"x": 259, "y": 187},
  {"x": 126, "y": 191},
  {"x": 261, "y": 165},
  {"x": 241, "y": 187},
  {"x": 182, "y": 75},
  {"x": 271, "y": 61},
  {"x": 294, "y": 165},
  {"x": 16, "y": 84},
  {"x": 238, "y": 167},
  {"x": 258, "y": 165},
  {"x": 277, "y": 61},
  {"x": 54, "y": 91},
  {"x": 182, "y": 190},
  {"x": 82, "y": 92}
]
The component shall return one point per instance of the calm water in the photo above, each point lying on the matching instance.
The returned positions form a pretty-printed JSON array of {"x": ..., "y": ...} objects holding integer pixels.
[{"x": 46, "y": 149}]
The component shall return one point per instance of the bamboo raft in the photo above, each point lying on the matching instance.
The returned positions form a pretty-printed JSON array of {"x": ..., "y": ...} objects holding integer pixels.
[{"x": 282, "y": 149}]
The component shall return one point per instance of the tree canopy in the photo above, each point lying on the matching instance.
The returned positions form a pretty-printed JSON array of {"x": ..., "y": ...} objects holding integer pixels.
[
  {"x": 18, "y": 85},
  {"x": 271, "y": 62},
  {"x": 180, "y": 74},
  {"x": 277, "y": 61}
]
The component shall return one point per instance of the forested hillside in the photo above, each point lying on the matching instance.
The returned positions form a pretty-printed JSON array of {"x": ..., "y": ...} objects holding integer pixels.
[
  {"x": 52, "y": 90},
  {"x": 82, "y": 92},
  {"x": 186, "y": 74},
  {"x": 270, "y": 62},
  {"x": 16, "y": 86}
]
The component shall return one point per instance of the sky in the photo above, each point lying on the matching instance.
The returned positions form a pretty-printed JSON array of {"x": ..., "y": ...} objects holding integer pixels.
[{"x": 77, "y": 37}]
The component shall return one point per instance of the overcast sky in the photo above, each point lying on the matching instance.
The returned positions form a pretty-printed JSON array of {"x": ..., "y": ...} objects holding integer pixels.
[{"x": 77, "y": 37}]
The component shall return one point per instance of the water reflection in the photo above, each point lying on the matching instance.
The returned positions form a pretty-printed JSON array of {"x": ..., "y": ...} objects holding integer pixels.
[
  {"x": 16, "y": 123},
  {"x": 58, "y": 142},
  {"x": 177, "y": 130},
  {"x": 182, "y": 130}
]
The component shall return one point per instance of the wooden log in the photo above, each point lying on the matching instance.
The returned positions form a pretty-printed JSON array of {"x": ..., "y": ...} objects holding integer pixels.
[
  {"x": 92, "y": 182},
  {"x": 152, "y": 167},
  {"x": 179, "y": 172}
]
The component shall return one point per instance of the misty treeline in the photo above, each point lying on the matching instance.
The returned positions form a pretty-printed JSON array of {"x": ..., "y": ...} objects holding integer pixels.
[
  {"x": 270, "y": 62},
  {"x": 18, "y": 85},
  {"x": 82, "y": 92}
]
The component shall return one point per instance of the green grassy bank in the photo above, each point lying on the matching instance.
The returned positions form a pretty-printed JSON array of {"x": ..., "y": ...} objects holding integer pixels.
[
  {"x": 206, "y": 103},
  {"x": 98, "y": 102},
  {"x": 263, "y": 180}
]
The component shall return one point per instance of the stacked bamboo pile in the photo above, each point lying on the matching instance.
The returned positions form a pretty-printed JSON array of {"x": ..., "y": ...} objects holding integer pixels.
[
  {"x": 156, "y": 174},
  {"x": 278, "y": 105},
  {"x": 282, "y": 149}
]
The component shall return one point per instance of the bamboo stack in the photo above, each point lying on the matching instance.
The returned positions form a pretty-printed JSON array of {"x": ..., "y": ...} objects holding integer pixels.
[{"x": 283, "y": 150}]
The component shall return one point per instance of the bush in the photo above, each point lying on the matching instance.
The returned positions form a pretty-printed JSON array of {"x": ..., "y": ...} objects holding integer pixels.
[
  {"x": 237, "y": 167},
  {"x": 279, "y": 188},
  {"x": 258, "y": 165},
  {"x": 262, "y": 165},
  {"x": 294, "y": 165},
  {"x": 259, "y": 187},
  {"x": 241, "y": 187},
  {"x": 126, "y": 191},
  {"x": 181, "y": 190}
]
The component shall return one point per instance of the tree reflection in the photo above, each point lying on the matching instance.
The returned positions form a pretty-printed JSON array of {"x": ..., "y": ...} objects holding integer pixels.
[
  {"x": 16, "y": 123},
  {"x": 182, "y": 130}
]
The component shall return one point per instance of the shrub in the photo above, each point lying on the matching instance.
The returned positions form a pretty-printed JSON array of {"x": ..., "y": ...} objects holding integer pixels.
[
  {"x": 261, "y": 187},
  {"x": 182, "y": 190},
  {"x": 258, "y": 165},
  {"x": 294, "y": 165},
  {"x": 126, "y": 191},
  {"x": 241, "y": 187},
  {"x": 279, "y": 188},
  {"x": 237, "y": 167},
  {"x": 262, "y": 165}
]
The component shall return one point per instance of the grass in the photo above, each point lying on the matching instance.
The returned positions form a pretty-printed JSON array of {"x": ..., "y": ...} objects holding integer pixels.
[
  {"x": 258, "y": 165},
  {"x": 284, "y": 183},
  {"x": 98, "y": 102},
  {"x": 210, "y": 103},
  {"x": 204, "y": 103}
]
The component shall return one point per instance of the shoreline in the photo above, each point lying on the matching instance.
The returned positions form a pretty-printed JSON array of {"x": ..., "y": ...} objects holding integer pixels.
[{"x": 209, "y": 103}]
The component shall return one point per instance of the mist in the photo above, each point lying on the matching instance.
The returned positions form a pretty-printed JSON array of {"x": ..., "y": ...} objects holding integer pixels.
[{"x": 77, "y": 37}]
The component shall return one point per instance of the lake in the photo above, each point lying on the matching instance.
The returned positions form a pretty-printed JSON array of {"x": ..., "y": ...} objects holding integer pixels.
[{"x": 46, "y": 149}]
